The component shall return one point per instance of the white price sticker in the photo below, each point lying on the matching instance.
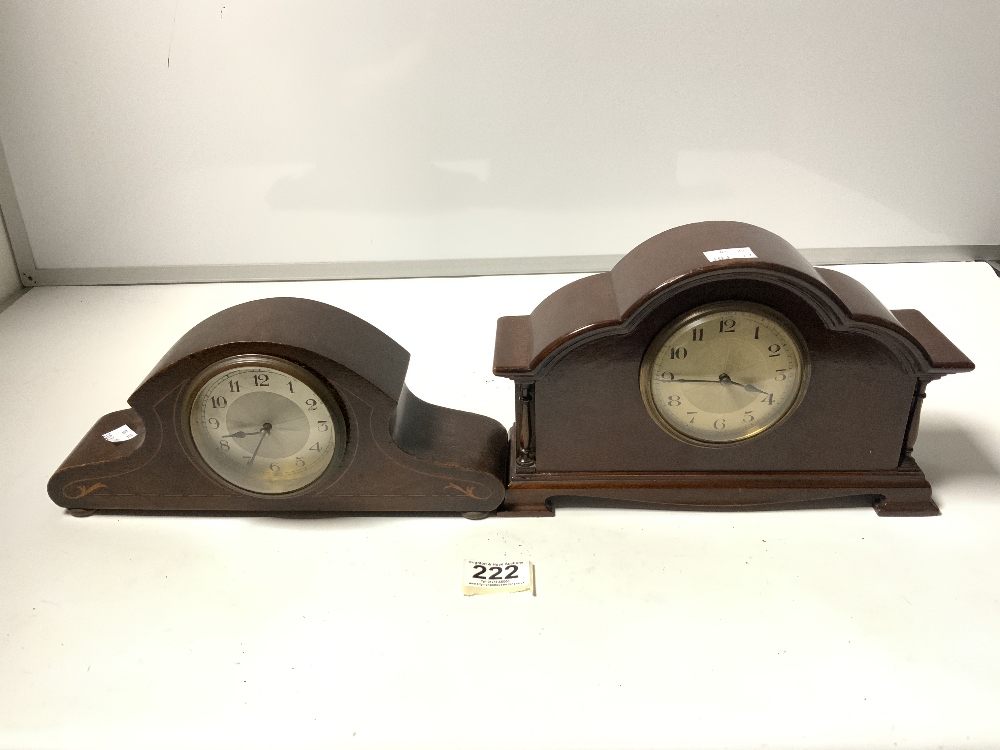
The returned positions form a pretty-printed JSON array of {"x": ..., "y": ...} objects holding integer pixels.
[
  {"x": 120, "y": 435},
  {"x": 479, "y": 577},
  {"x": 728, "y": 253}
]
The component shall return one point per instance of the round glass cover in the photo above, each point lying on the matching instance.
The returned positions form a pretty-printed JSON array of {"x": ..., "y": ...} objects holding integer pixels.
[
  {"x": 264, "y": 424},
  {"x": 723, "y": 373}
]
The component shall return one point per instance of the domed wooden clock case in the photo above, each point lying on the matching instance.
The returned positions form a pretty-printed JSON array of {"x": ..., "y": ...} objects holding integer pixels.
[
  {"x": 284, "y": 405},
  {"x": 715, "y": 368}
]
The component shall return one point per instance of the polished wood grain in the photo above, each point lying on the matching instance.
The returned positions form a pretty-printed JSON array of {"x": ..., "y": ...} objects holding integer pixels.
[
  {"x": 401, "y": 453},
  {"x": 582, "y": 429}
]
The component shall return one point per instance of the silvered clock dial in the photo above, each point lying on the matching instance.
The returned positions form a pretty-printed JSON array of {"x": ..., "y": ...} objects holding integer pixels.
[
  {"x": 725, "y": 372},
  {"x": 264, "y": 424}
]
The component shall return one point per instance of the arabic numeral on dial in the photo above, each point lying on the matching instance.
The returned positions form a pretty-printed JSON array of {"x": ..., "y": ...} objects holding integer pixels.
[
  {"x": 673, "y": 400},
  {"x": 768, "y": 399},
  {"x": 667, "y": 376},
  {"x": 224, "y": 445},
  {"x": 234, "y": 386},
  {"x": 780, "y": 376},
  {"x": 727, "y": 325},
  {"x": 719, "y": 424},
  {"x": 775, "y": 350},
  {"x": 322, "y": 425},
  {"x": 692, "y": 414},
  {"x": 679, "y": 353},
  {"x": 299, "y": 462},
  {"x": 275, "y": 468},
  {"x": 698, "y": 334},
  {"x": 290, "y": 389},
  {"x": 310, "y": 404},
  {"x": 219, "y": 402},
  {"x": 260, "y": 381},
  {"x": 756, "y": 332},
  {"x": 315, "y": 447},
  {"x": 213, "y": 423},
  {"x": 748, "y": 417}
]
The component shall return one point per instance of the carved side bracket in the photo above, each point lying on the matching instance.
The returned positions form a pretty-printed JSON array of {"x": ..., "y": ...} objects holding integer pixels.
[{"x": 525, "y": 458}]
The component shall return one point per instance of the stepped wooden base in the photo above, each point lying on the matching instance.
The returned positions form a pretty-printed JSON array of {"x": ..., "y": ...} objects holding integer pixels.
[{"x": 898, "y": 492}]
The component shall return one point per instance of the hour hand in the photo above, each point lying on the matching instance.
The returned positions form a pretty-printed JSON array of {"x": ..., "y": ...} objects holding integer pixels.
[
  {"x": 242, "y": 434},
  {"x": 745, "y": 386}
]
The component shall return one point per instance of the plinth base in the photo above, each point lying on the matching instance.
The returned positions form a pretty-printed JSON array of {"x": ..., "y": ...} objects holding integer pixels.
[{"x": 896, "y": 492}]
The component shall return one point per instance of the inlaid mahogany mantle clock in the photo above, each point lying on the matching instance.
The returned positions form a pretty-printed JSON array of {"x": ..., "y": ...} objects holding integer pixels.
[
  {"x": 284, "y": 405},
  {"x": 713, "y": 367}
]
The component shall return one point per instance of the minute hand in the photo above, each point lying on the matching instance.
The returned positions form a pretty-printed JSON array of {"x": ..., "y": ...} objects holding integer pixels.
[
  {"x": 686, "y": 380},
  {"x": 263, "y": 434}
]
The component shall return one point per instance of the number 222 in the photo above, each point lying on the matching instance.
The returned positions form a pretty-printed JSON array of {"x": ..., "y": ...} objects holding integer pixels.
[{"x": 481, "y": 572}]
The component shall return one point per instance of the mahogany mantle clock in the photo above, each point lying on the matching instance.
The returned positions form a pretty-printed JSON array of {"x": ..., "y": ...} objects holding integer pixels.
[
  {"x": 714, "y": 367},
  {"x": 284, "y": 405}
]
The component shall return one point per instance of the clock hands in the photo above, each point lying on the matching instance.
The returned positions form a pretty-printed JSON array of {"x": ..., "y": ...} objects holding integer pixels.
[{"x": 724, "y": 379}]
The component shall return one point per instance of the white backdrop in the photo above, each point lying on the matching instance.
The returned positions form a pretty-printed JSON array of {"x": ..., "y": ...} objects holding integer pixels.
[{"x": 236, "y": 132}]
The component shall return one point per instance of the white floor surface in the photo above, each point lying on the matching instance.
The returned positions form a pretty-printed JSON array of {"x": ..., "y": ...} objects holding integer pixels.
[{"x": 785, "y": 629}]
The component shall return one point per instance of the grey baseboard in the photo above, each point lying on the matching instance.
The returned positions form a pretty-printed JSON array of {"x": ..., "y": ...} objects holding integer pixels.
[{"x": 456, "y": 267}]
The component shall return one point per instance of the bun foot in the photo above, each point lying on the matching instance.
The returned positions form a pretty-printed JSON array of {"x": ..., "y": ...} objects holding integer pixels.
[{"x": 476, "y": 515}]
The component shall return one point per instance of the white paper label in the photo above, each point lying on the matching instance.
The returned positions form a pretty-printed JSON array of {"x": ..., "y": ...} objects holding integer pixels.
[
  {"x": 120, "y": 435},
  {"x": 480, "y": 577},
  {"x": 729, "y": 252}
]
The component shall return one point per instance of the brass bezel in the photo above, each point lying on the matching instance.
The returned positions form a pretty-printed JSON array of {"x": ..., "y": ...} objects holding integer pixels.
[
  {"x": 293, "y": 369},
  {"x": 645, "y": 368}
]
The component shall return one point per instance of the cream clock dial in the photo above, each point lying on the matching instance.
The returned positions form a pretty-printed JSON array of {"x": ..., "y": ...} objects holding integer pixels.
[
  {"x": 723, "y": 373},
  {"x": 264, "y": 424}
]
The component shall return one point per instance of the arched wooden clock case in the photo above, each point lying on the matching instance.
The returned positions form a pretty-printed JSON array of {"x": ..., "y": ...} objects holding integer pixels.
[
  {"x": 393, "y": 452},
  {"x": 583, "y": 430}
]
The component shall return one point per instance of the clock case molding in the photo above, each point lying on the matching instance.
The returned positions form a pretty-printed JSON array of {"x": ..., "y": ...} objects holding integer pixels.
[
  {"x": 401, "y": 453},
  {"x": 583, "y": 432}
]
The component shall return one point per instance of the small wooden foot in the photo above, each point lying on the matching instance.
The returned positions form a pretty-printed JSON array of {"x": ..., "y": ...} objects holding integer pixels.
[
  {"x": 907, "y": 502},
  {"x": 476, "y": 515},
  {"x": 81, "y": 512}
]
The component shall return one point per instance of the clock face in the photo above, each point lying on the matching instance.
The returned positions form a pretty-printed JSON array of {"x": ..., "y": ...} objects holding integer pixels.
[
  {"x": 723, "y": 373},
  {"x": 264, "y": 424}
]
